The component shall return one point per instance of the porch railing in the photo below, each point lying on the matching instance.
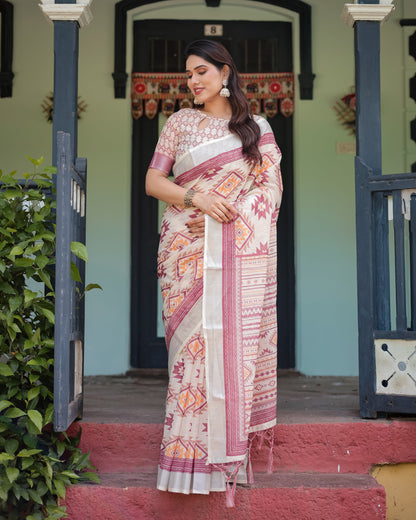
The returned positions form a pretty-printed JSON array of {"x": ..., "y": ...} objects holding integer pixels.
[
  {"x": 386, "y": 232},
  {"x": 69, "y": 300}
]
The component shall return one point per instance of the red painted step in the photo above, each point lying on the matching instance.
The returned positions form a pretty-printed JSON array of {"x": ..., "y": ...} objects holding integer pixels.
[
  {"x": 325, "y": 448},
  {"x": 297, "y": 496}
]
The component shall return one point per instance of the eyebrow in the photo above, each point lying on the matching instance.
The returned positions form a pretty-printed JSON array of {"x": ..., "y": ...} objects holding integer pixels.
[{"x": 197, "y": 67}]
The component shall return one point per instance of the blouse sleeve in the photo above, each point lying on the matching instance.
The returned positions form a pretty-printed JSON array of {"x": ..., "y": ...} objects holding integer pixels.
[{"x": 165, "y": 152}]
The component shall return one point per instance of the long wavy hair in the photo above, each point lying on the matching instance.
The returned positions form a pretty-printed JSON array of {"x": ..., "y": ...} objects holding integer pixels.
[{"x": 241, "y": 123}]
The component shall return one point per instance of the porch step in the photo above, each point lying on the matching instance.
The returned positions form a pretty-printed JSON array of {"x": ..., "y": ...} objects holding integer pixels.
[
  {"x": 352, "y": 447},
  {"x": 289, "y": 496}
]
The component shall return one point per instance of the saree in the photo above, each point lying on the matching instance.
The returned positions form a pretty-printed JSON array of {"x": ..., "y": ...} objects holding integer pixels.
[{"x": 219, "y": 305}]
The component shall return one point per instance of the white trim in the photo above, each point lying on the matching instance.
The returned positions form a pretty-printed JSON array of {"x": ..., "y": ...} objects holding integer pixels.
[
  {"x": 79, "y": 12},
  {"x": 369, "y": 12}
]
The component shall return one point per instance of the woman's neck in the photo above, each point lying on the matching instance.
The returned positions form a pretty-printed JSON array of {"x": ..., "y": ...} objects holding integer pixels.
[{"x": 219, "y": 107}]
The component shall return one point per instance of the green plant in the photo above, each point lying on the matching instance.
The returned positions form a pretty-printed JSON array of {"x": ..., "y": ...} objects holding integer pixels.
[{"x": 36, "y": 464}]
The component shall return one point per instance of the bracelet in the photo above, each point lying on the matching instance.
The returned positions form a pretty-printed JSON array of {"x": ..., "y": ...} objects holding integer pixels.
[{"x": 189, "y": 195}]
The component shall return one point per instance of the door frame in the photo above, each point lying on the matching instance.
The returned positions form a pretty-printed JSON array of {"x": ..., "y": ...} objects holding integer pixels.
[{"x": 302, "y": 9}]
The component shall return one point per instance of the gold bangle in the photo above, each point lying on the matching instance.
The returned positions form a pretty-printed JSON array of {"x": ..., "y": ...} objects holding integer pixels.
[{"x": 189, "y": 195}]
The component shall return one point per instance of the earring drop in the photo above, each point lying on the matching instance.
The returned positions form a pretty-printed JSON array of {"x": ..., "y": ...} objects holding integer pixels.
[
  {"x": 224, "y": 91},
  {"x": 196, "y": 102}
]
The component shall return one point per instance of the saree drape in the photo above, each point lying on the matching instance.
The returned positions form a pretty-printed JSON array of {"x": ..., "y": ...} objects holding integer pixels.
[{"x": 219, "y": 311}]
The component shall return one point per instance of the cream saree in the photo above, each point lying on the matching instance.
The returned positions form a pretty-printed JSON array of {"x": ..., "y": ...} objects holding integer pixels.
[{"x": 219, "y": 312}]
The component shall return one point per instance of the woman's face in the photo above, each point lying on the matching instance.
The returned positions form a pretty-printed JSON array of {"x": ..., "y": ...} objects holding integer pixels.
[{"x": 204, "y": 79}]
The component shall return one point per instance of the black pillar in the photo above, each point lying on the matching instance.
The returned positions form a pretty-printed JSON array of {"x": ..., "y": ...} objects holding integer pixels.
[
  {"x": 373, "y": 283},
  {"x": 367, "y": 71},
  {"x": 367, "y": 80},
  {"x": 65, "y": 117}
]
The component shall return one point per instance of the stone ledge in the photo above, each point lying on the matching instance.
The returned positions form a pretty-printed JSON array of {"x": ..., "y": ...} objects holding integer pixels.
[
  {"x": 287, "y": 497},
  {"x": 325, "y": 448},
  {"x": 366, "y": 12},
  {"x": 80, "y": 13}
]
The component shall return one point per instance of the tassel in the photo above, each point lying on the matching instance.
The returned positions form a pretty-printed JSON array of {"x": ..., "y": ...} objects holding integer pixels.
[
  {"x": 229, "y": 475},
  {"x": 260, "y": 436},
  {"x": 229, "y": 494},
  {"x": 270, "y": 461},
  {"x": 250, "y": 475}
]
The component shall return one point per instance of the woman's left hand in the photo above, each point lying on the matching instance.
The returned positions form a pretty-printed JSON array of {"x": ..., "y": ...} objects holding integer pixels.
[{"x": 196, "y": 225}]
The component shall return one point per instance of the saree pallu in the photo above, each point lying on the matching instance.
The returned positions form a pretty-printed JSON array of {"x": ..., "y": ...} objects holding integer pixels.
[{"x": 219, "y": 312}]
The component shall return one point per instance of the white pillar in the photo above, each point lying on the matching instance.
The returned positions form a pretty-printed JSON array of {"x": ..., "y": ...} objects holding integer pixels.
[
  {"x": 367, "y": 12},
  {"x": 77, "y": 12}
]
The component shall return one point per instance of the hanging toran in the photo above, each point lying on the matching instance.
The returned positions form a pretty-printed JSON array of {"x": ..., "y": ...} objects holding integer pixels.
[{"x": 265, "y": 93}]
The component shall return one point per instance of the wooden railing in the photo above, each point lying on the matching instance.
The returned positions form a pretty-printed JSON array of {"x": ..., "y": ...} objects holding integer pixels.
[
  {"x": 69, "y": 300},
  {"x": 386, "y": 264}
]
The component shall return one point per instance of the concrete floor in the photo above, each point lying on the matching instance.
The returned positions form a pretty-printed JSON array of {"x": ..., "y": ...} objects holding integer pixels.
[{"x": 140, "y": 397}]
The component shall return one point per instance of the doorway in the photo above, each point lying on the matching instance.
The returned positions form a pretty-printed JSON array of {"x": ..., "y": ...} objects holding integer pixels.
[{"x": 256, "y": 47}]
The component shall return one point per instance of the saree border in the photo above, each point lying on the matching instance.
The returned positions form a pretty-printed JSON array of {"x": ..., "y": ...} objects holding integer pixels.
[
  {"x": 197, "y": 165},
  {"x": 233, "y": 361}
]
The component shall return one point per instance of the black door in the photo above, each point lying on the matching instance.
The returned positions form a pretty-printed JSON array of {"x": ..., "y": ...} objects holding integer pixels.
[{"x": 255, "y": 47}]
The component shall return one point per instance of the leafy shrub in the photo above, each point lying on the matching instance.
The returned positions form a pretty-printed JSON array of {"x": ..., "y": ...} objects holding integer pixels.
[{"x": 36, "y": 464}]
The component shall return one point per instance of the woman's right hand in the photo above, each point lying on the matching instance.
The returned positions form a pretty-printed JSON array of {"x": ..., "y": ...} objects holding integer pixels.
[{"x": 216, "y": 207}]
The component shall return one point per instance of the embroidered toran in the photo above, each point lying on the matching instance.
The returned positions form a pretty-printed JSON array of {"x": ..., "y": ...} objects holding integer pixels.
[
  {"x": 219, "y": 305},
  {"x": 153, "y": 92}
]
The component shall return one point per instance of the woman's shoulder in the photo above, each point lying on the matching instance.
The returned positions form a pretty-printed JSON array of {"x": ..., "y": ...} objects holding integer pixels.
[
  {"x": 263, "y": 124},
  {"x": 182, "y": 118}
]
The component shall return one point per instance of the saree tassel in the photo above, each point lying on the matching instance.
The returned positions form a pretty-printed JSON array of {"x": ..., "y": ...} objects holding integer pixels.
[
  {"x": 260, "y": 436},
  {"x": 230, "y": 492},
  {"x": 230, "y": 476},
  {"x": 270, "y": 462},
  {"x": 271, "y": 445},
  {"x": 250, "y": 475}
]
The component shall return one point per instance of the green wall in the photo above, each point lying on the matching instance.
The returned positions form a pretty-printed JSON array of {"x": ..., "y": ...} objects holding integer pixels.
[{"x": 326, "y": 330}]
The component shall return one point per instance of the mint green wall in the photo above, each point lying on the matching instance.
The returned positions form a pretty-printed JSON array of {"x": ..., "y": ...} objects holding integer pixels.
[
  {"x": 326, "y": 330},
  {"x": 23, "y": 129},
  {"x": 104, "y": 138}
]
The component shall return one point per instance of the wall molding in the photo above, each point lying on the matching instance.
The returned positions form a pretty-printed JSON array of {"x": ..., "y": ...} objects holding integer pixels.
[
  {"x": 366, "y": 12},
  {"x": 79, "y": 12}
]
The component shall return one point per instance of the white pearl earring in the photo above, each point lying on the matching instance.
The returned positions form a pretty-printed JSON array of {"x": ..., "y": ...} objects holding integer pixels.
[{"x": 224, "y": 91}]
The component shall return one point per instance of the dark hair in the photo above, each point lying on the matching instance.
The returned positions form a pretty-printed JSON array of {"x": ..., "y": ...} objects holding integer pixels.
[{"x": 241, "y": 123}]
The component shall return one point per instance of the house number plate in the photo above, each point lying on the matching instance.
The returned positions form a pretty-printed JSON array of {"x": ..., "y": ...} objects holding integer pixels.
[{"x": 212, "y": 30}]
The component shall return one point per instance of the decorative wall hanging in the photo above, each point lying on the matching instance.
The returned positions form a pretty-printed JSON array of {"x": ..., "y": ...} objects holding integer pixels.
[
  {"x": 47, "y": 107},
  {"x": 345, "y": 109},
  {"x": 151, "y": 93}
]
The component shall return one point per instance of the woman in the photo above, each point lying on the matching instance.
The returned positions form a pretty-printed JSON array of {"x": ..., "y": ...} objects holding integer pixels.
[{"x": 217, "y": 270}]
